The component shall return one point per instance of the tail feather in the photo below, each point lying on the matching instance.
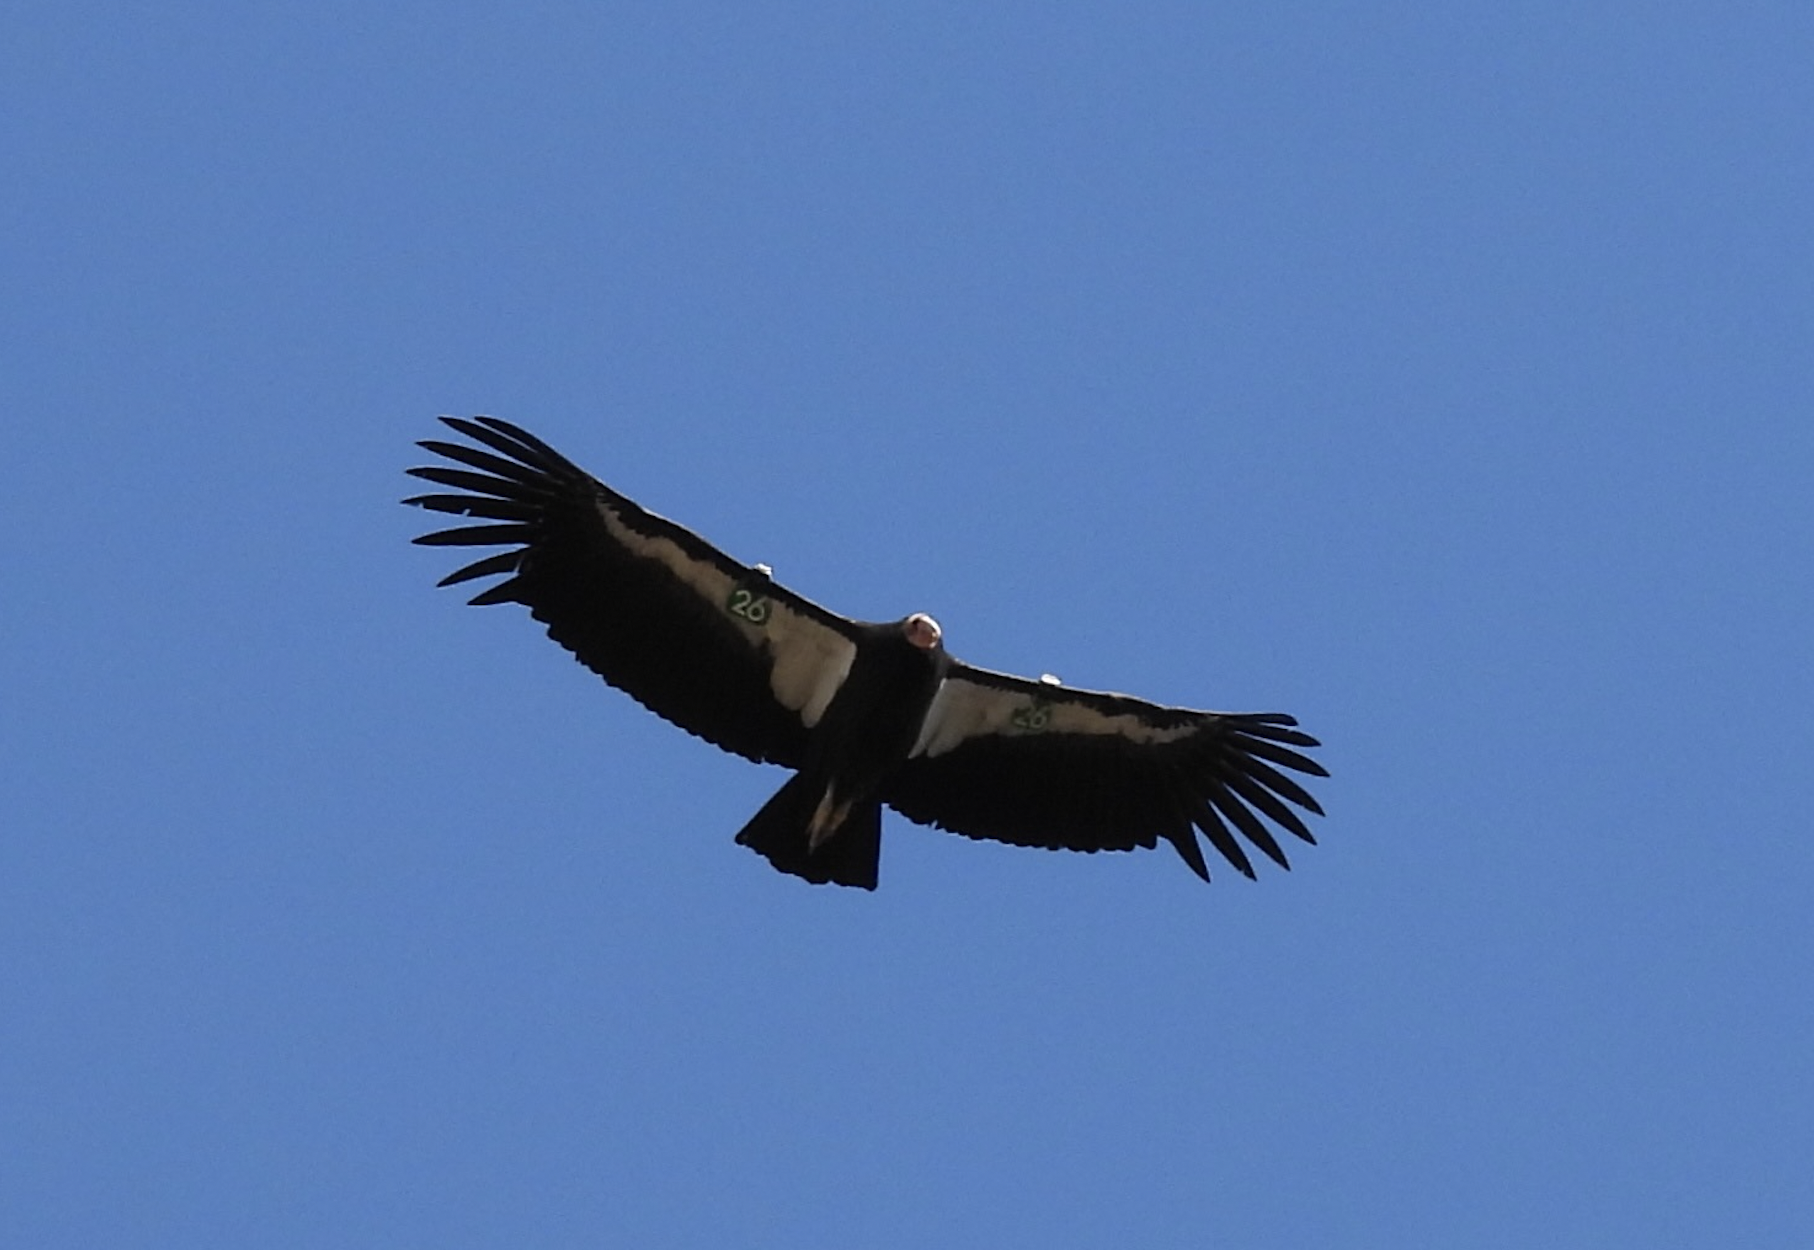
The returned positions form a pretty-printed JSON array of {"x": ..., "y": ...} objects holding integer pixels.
[{"x": 782, "y": 832}]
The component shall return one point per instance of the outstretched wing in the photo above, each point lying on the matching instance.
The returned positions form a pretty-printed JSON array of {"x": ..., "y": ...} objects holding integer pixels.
[
  {"x": 713, "y": 645},
  {"x": 1035, "y": 763}
]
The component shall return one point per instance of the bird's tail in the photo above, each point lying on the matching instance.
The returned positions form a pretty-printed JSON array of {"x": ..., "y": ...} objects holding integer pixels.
[{"x": 803, "y": 831}]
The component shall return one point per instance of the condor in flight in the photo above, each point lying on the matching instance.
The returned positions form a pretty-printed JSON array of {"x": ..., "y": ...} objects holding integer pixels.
[{"x": 867, "y": 714}]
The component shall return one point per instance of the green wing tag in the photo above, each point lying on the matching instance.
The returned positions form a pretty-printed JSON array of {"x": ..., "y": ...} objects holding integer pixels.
[
  {"x": 748, "y": 605},
  {"x": 1031, "y": 717}
]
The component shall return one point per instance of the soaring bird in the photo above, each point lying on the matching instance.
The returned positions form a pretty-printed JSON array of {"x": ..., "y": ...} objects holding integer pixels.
[{"x": 866, "y": 713}]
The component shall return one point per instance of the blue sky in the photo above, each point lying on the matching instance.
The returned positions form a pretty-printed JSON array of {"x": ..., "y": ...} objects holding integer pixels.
[{"x": 1442, "y": 378}]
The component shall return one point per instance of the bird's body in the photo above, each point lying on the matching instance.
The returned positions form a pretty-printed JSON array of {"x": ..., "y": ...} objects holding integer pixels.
[
  {"x": 866, "y": 713},
  {"x": 868, "y": 731}
]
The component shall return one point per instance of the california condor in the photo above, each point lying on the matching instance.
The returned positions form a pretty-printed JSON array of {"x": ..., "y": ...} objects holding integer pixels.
[{"x": 866, "y": 713}]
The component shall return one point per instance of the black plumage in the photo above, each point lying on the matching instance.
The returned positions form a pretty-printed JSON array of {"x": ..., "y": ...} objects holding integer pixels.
[{"x": 866, "y": 713}]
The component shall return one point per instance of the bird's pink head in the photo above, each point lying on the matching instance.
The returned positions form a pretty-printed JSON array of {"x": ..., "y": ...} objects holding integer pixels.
[{"x": 922, "y": 631}]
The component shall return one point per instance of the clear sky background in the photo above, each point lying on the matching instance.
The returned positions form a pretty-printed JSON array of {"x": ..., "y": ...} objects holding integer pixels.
[{"x": 1445, "y": 378}]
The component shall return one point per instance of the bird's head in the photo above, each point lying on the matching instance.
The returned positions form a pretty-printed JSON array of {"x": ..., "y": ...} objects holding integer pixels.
[{"x": 922, "y": 631}]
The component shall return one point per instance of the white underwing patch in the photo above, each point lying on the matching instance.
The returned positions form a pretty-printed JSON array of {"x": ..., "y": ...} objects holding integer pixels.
[
  {"x": 808, "y": 660},
  {"x": 810, "y": 663},
  {"x": 964, "y": 709},
  {"x": 705, "y": 578}
]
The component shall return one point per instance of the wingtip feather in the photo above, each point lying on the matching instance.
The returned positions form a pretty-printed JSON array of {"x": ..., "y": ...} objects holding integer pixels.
[
  {"x": 1184, "y": 841},
  {"x": 503, "y": 592},
  {"x": 1210, "y": 823},
  {"x": 502, "y": 562}
]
